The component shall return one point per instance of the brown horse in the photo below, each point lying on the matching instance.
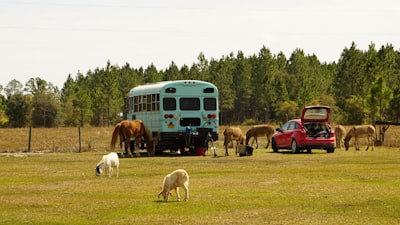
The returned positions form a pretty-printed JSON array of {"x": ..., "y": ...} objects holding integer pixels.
[
  {"x": 260, "y": 131},
  {"x": 360, "y": 131},
  {"x": 340, "y": 132},
  {"x": 233, "y": 134},
  {"x": 136, "y": 129}
]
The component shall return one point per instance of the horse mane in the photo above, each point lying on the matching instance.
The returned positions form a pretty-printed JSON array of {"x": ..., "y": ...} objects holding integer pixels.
[{"x": 115, "y": 135}]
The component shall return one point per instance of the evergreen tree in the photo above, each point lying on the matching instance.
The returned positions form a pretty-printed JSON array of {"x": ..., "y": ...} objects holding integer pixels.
[
  {"x": 350, "y": 70},
  {"x": 172, "y": 72},
  {"x": 221, "y": 71},
  {"x": 378, "y": 99},
  {"x": 242, "y": 87},
  {"x": 17, "y": 110}
]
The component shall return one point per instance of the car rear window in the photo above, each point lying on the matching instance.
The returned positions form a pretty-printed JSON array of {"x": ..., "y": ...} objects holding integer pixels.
[
  {"x": 315, "y": 126},
  {"x": 315, "y": 114}
]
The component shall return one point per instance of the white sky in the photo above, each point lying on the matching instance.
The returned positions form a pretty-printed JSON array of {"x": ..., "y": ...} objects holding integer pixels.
[{"x": 53, "y": 38}]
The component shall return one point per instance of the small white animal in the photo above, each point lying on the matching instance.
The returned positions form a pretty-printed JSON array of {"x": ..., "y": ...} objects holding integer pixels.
[
  {"x": 173, "y": 181},
  {"x": 107, "y": 163}
]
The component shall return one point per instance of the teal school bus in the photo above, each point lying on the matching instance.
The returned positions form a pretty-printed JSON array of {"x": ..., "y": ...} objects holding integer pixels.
[{"x": 181, "y": 114}]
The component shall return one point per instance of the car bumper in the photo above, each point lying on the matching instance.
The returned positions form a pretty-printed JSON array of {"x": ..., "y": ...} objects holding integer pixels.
[
  {"x": 316, "y": 146},
  {"x": 317, "y": 143}
]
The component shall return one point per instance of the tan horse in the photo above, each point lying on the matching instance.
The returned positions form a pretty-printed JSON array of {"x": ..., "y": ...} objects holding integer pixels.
[
  {"x": 367, "y": 131},
  {"x": 233, "y": 134},
  {"x": 340, "y": 132},
  {"x": 260, "y": 131},
  {"x": 127, "y": 129}
]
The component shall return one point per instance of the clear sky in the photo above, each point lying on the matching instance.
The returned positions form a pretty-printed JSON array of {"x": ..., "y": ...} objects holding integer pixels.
[{"x": 51, "y": 39}]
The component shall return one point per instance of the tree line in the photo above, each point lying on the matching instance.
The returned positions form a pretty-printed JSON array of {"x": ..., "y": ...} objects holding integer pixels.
[{"x": 361, "y": 87}]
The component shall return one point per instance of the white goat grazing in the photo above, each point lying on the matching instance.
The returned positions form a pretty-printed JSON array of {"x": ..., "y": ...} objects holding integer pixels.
[
  {"x": 174, "y": 180},
  {"x": 107, "y": 163}
]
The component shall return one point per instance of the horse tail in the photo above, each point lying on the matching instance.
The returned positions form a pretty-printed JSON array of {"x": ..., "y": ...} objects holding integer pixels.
[
  {"x": 226, "y": 140},
  {"x": 147, "y": 132},
  {"x": 114, "y": 136},
  {"x": 149, "y": 138},
  {"x": 226, "y": 136}
]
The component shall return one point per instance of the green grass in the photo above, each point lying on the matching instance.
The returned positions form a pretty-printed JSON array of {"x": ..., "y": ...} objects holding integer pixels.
[{"x": 346, "y": 187}]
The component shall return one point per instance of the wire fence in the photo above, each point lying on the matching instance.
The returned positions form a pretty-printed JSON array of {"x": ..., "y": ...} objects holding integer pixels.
[
  {"x": 71, "y": 139},
  {"x": 97, "y": 139}
]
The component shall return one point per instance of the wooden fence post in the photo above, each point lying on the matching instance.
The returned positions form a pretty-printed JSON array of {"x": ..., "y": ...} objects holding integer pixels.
[
  {"x": 80, "y": 139},
  {"x": 30, "y": 138}
]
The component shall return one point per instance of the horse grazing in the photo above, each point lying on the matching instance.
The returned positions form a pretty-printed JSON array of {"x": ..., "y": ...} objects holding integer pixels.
[
  {"x": 107, "y": 163},
  {"x": 127, "y": 129},
  {"x": 360, "y": 131},
  {"x": 260, "y": 131},
  {"x": 232, "y": 134},
  {"x": 340, "y": 132}
]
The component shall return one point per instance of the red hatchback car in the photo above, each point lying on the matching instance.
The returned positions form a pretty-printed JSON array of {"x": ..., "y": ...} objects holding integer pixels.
[{"x": 312, "y": 131}]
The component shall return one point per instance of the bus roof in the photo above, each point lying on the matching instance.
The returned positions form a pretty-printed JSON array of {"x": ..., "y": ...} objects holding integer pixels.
[{"x": 152, "y": 88}]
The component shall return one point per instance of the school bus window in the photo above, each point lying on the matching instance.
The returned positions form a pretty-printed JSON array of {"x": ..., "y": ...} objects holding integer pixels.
[
  {"x": 210, "y": 104},
  {"x": 130, "y": 103},
  {"x": 208, "y": 90},
  {"x": 169, "y": 104},
  {"x": 170, "y": 90},
  {"x": 154, "y": 103},
  {"x": 136, "y": 103},
  {"x": 149, "y": 98},
  {"x": 148, "y": 102}
]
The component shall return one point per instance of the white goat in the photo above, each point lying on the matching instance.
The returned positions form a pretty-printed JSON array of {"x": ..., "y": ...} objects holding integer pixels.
[
  {"x": 174, "y": 180},
  {"x": 107, "y": 163}
]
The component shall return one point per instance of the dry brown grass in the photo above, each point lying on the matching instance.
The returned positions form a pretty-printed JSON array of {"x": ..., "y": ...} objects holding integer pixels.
[
  {"x": 55, "y": 139},
  {"x": 95, "y": 139}
]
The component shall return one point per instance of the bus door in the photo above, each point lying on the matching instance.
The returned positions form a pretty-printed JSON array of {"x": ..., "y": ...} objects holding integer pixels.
[{"x": 189, "y": 112}]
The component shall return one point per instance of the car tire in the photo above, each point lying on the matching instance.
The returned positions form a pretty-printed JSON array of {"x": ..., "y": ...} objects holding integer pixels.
[
  {"x": 294, "y": 147},
  {"x": 274, "y": 148},
  {"x": 330, "y": 150}
]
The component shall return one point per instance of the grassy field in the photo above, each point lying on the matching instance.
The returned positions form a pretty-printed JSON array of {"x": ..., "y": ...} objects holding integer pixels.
[
  {"x": 53, "y": 184},
  {"x": 346, "y": 187}
]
